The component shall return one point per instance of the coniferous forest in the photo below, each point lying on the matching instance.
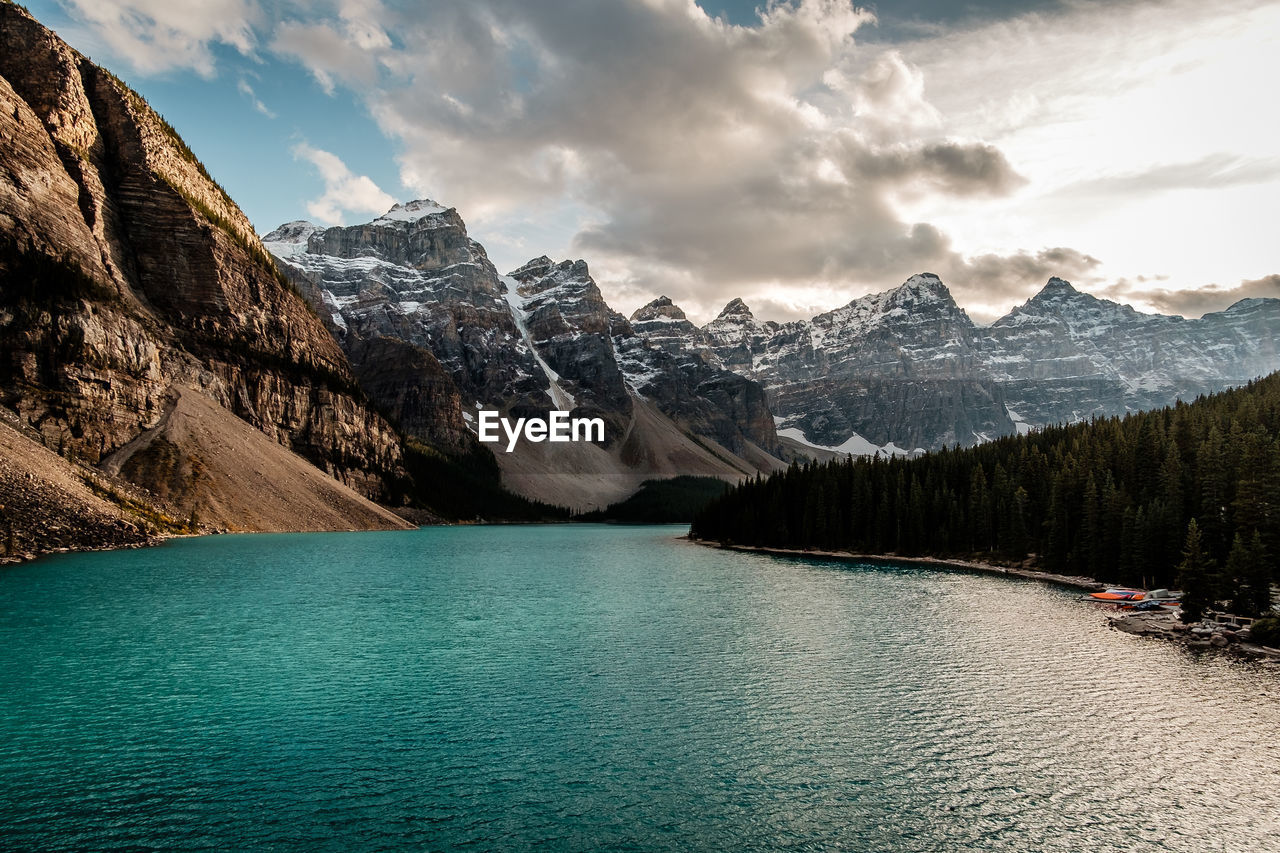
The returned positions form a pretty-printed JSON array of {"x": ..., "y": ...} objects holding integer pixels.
[{"x": 1187, "y": 497}]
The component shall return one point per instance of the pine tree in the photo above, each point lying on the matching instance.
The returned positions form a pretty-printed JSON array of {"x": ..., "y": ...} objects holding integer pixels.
[
  {"x": 1089, "y": 545},
  {"x": 1249, "y": 576},
  {"x": 1018, "y": 526},
  {"x": 1235, "y": 588},
  {"x": 1195, "y": 576},
  {"x": 979, "y": 511},
  {"x": 1215, "y": 496}
]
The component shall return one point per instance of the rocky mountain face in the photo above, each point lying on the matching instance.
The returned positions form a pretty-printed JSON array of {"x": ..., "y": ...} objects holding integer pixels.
[
  {"x": 908, "y": 367},
  {"x": 649, "y": 357},
  {"x": 569, "y": 328},
  {"x": 127, "y": 271},
  {"x": 413, "y": 280},
  {"x": 897, "y": 368},
  {"x": 1066, "y": 356},
  {"x": 540, "y": 338}
]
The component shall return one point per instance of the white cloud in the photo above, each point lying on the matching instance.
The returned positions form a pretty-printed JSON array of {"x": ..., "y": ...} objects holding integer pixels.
[
  {"x": 160, "y": 35},
  {"x": 245, "y": 89},
  {"x": 344, "y": 191},
  {"x": 708, "y": 158},
  {"x": 349, "y": 48}
]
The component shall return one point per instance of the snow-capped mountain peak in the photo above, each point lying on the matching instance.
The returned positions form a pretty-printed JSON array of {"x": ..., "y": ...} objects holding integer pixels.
[
  {"x": 412, "y": 211},
  {"x": 662, "y": 324},
  {"x": 290, "y": 238},
  {"x": 548, "y": 274},
  {"x": 736, "y": 309},
  {"x": 1059, "y": 301},
  {"x": 536, "y": 268},
  {"x": 1245, "y": 306},
  {"x": 924, "y": 283},
  {"x": 1057, "y": 285},
  {"x": 921, "y": 299},
  {"x": 1058, "y": 294}
]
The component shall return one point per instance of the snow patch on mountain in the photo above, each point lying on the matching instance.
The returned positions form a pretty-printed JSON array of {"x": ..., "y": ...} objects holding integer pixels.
[
  {"x": 290, "y": 239},
  {"x": 411, "y": 211},
  {"x": 561, "y": 398},
  {"x": 1019, "y": 422}
]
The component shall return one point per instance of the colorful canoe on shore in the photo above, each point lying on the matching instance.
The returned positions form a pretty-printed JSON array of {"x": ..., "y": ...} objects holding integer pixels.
[
  {"x": 1116, "y": 595},
  {"x": 1135, "y": 598}
]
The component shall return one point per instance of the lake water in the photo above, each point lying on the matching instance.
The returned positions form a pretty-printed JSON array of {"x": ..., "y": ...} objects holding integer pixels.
[{"x": 591, "y": 687}]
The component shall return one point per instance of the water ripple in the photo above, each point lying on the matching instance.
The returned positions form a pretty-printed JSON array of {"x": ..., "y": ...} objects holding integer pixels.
[{"x": 583, "y": 688}]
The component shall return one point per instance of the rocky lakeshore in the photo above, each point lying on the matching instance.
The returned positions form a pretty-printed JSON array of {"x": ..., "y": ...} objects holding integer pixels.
[
  {"x": 1224, "y": 636},
  {"x": 50, "y": 505}
]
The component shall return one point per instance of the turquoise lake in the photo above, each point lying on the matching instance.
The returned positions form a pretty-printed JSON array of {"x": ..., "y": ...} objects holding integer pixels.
[{"x": 602, "y": 688}]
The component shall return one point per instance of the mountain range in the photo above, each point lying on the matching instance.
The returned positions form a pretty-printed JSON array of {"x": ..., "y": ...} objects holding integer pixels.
[
  {"x": 901, "y": 371},
  {"x": 908, "y": 367},
  {"x": 163, "y": 369}
]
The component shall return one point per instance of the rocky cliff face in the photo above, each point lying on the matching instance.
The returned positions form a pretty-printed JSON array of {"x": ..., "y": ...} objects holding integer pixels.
[
  {"x": 666, "y": 359},
  {"x": 127, "y": 270},
  {"x": 540, "y": 338},
  {"x": 657, "y": 355},
  {"x": 908, "y": 367},
  {"x": 415, "y": 276},
  {"x": 568, "y": 327}
]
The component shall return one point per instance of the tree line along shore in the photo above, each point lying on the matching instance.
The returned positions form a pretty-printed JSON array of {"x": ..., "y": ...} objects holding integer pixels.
[{"x": 1187, "y": 496}]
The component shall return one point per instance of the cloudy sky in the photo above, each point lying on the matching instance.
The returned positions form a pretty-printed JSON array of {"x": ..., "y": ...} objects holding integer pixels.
[{"x": 796, "y": 154}]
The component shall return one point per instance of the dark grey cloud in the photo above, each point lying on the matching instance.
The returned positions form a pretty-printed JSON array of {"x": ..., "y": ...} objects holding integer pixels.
[
  {"x": 960, "y": 169},
  {"x": 1199, "y": 301},
  {"x": 987, "y": 282}
]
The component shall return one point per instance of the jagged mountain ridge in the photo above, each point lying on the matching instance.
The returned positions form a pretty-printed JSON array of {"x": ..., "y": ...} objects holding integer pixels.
[
  {"x": 908, "y": 366},
  {"x": 893, "y": 371},
  {"x": 539, "y": 338},
  {"x": 1094, "y": 356}
]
